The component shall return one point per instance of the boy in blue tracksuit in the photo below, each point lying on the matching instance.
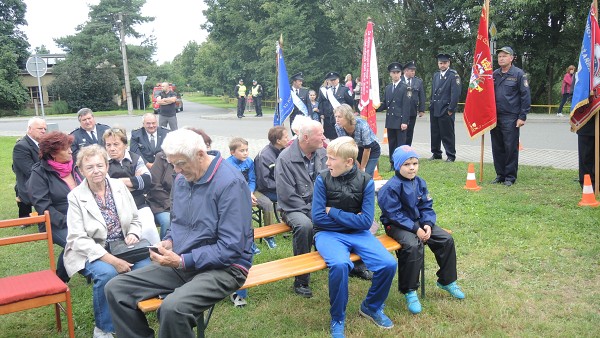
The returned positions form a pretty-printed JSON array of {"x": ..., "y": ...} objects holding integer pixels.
[
  {"x": 408, "y": 216},
  {"x": 343, "y": 209}
]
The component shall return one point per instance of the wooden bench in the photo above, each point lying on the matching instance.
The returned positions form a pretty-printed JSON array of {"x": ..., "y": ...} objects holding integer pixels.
[{"x": 272, "y": 271}]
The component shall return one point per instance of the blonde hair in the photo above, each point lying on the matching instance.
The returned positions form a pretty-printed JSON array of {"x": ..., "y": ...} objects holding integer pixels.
[
  {"x": 347, "y": 113},
  {"x": 91, "y": 151},
  {"x": 343, "y": 147},
  {"x": 237, "y": 142}
]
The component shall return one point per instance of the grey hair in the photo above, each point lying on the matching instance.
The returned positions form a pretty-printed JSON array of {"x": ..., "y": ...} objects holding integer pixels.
[
  {"x": 148, "y": 115},
  {"x": 299, "y": 122},
  {"x": 308, "y": 127},
  {"x": 34, "y": 120},
  {"x": 184, "y": 142},
  {"x": 91, "y": 151},
  {"x": 84, "y": 111}
]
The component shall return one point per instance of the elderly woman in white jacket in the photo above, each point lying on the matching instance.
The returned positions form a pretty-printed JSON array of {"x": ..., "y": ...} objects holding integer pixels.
[{"x": 101, "y": 210}]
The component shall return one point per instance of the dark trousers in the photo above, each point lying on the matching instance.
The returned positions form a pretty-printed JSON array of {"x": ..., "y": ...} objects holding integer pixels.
[
  {"x": 189, "y": 294},
  {"x": 329, "y": 127},
  {"x": 302, "y": 229},
  {"x": 586, "y": 154},
  {"x": 241, "y": 106},
  {"x": 258, "y": 105},
  {"x": 505, "y": 148},
  {"x": 410, "y": 130},
  {"x": 410, "y": 256},
  {"x": 442, "y": 132},
  {"x": 565, "y": 98},
  {"x": 24, "y": 209},
  {"x": 396, "y": 138}
]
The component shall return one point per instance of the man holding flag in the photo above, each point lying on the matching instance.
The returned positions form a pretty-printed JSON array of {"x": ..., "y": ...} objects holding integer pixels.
[
  {"x": 513, "y": 102},
  {"x": 331, "y": 97}
]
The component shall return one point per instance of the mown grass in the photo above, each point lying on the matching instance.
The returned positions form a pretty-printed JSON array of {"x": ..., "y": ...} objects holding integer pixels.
[{"x": 528, "y": 261}]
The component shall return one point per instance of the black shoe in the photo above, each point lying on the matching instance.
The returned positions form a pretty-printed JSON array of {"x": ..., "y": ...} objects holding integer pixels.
[
  {"x": 362, "y": 274},
  {"x": 303, "y": 290},
  {"x": 498, "y": 179},
  {"x": 450, "y": 159},
  {"x": 508, "y": 183},
  {"x": 258, "y": 115},
  {"x": 435, "y": 158}
]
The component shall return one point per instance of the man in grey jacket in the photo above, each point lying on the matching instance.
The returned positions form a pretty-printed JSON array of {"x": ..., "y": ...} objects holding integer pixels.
[{"x": 295, "y": 172}]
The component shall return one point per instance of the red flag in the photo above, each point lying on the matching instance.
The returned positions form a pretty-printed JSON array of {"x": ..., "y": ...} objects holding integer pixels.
[
  {"x": 480, "y": 106},
  {"x": 369, "y": 80}
]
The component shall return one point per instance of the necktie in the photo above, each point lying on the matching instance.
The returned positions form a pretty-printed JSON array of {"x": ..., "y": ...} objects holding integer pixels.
[
  {"x": 394, "y": 87},
  {"x": 94, "y": 139},
  {"x": 334, "y": 88},
  {"x": 409, "y": 82},
  {"x": 152, "y": 144},
  {"x": 297, "y": 92}
]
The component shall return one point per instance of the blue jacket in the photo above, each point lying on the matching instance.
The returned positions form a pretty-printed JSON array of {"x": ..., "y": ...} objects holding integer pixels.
[
  {"x": 406, "y": 203},
  {"x": 211, "y": 219},
  {"x": 338, "y": 219},
  {"x": 513, "y": 98},
  {"x": 246, "y": 167}
]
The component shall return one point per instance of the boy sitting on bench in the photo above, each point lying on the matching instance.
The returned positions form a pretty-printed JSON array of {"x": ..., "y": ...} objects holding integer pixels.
[{"x": 343, "y": 209}]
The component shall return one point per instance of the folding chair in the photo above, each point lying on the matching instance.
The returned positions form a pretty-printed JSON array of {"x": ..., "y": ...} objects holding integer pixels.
[{"x": 35, "y": 289}]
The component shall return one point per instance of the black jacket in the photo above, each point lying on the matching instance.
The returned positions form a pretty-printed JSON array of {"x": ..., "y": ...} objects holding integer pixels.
[
  {"x": 25, "y": 155},
  {"x": 264, "y": 166},
  {"x": 82, "y": 138},
  {"x": 445, "y": 93},
  {"x": 392, "y": 102},
  {"x": 140, "y": 144}
]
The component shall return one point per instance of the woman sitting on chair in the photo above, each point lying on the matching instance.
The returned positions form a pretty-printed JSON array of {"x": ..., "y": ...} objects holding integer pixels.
[{"x": 101, "y": 210}]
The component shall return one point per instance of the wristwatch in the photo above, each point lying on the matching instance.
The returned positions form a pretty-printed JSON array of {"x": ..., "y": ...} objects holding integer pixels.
[{"x": 180, "y": 266}]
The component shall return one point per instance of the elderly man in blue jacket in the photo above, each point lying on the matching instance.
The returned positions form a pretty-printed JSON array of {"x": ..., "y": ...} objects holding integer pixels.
[{"x": 205, "y": 256}]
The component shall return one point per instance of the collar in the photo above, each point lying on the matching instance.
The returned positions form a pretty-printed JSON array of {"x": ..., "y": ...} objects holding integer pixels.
[
  {"x": 34, "y": 141},
  {"x": 126, "y": 157},
  {"x": 212, "y": 168},
  {"x": 443, "y": 73}
]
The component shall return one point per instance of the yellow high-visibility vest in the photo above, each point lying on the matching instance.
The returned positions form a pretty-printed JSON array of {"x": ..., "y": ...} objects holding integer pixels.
[
  {"x": 242, "y": 90},
  {"x": 255, "y": 90}
]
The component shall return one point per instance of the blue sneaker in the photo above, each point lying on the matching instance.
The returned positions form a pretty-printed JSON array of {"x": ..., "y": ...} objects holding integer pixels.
[
  {"x": 412, "y": 302},
  {"x": 255, "y": 249},
  {"x": 453, "y": 289},
  {"x": 378, "y": 317},
  {"x": 337, "y": 329},
  {"x": 271, "y": 242}
]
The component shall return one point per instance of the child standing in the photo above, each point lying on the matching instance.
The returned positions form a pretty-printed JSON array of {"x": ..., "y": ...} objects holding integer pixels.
[
  {"x": 238, "y": 147},
  {"x": 343, "y": 209},
  {"x": 408, "y": 216}
]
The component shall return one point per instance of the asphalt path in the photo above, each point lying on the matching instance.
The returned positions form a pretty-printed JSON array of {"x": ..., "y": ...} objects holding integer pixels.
[{"x": 546, "y": 139}]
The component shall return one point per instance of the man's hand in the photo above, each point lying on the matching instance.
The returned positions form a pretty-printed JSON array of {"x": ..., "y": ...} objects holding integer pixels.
[
  {"x": 450, "y": 113},
  {"x": 165, "y": 257},
  {"x": 253, "y": 198},
  {"x": 403, "y": 126},
  {"x": 520, "y": 123},
  {"x": 421, "y": 113}
]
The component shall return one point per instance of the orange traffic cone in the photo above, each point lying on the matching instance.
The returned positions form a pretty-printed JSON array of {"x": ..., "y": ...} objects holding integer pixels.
[
  {"x": 587, "y": 198},
  {"x": 520, "y": 146},
  {"x": 471, "y": 181},
  {"x": 385, "y": 140},
  {"x": 376, "y": 175}
]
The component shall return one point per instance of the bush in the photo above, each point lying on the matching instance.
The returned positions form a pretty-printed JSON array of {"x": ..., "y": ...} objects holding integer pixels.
[{"x": 60, "y": 107}]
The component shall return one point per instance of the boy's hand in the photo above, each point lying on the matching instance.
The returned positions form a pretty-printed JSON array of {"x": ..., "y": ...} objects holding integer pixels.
[
  {"x": 427, "y": 229},
  {"x": 254, "y": 199},
  {"x": 421, "y": 234}
]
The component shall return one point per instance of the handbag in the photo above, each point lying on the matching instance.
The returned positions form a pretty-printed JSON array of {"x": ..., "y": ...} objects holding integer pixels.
[{"x": 130, "y": 253}]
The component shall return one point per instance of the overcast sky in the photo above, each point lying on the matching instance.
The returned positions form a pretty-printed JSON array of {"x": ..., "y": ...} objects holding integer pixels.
[{"x": 176, "y": 23}]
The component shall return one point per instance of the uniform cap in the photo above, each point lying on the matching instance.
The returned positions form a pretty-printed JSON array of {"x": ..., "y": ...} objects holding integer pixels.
[
  {"x": 395, "y": 67},
  {"x": 298, "y": 76},
  {"x": 443, "y": 57},
  {"x": 332, "y": 76},
  {"x": 410, "y": 65},
  {"x": 506, "y": 50}
]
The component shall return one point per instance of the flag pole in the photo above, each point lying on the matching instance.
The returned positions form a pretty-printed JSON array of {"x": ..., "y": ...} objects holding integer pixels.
[
  {"x": 596, "y": 136},
  {"x": 487, "y": 20}
]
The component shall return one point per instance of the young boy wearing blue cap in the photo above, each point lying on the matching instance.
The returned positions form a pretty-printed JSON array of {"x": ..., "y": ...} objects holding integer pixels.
[
  {"x": 408, "y": 216},
  {"x": 343, "y": 209}
]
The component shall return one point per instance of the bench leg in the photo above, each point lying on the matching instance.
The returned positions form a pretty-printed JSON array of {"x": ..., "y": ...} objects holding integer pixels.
[
  {"x": 423, "y": 273},
  {"x": 203, "y": 320}
]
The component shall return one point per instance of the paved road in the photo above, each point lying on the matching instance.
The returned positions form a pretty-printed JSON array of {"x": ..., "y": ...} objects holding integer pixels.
[{"x": 546, "y": 139}]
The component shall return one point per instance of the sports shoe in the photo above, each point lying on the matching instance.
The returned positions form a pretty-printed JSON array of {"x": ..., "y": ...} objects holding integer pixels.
[
  {"x": 412, "y": 302},
  {"x": 560, "y": 114},
  {"x": 237, "y": 300},
  {"x": 337, "y": 329},
  {"x": 303, "y": 290},
  {"x": 453, "y": 289},
  {"x": 102, "y": 334},
  {"x": 362, "y": 273},
  {"x": 271, "y": 242},
  {"x": 378, "y": 317},
  {"x": 255, "y": 249}
]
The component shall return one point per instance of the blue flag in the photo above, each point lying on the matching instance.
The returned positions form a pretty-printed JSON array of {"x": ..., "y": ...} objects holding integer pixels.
[
  {"x": 585, "y": 102},
  {"x": 286, "y": 104}
]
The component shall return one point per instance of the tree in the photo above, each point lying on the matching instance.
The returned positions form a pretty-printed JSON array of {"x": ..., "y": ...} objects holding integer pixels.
[{"x": 13, "y": 53}]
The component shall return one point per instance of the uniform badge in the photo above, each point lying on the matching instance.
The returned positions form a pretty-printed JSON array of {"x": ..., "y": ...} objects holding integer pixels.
[
  {"x": 409, "y": 93},
  {"x": 458, "y": 80},
  {"x": 525, "y": 82}
]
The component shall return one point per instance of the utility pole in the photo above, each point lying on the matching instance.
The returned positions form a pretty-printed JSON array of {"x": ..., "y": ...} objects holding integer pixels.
[{"x": 125, "y": 66}]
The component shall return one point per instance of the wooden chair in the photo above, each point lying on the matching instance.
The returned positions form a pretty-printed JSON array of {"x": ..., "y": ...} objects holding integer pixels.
[{"x": 35, "y": 289}]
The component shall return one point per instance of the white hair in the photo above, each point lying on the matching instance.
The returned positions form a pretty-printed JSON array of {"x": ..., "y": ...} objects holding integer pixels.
[
  {"x": 148, "y": 115},
  {"x": 184, "y": 142},
  {"x": 299, "y": 122},
  {"x": 308, "y": 127},
  {"x": 33, "y": 120}
]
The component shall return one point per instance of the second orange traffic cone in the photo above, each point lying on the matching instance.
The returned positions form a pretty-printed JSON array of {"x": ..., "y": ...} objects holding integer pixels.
[
  {"x": 471, "y": 181},
  {"x": 376, "y": 175},
  {"x": 385, "y": 140},
  {"x": 587, "y": 198}
]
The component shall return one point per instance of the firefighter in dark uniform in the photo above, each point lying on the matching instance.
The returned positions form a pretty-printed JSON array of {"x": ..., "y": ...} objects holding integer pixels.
[
  {"x": 302, "y": 93},
  {"x": 586, "y": 136},
  {"x": 341, "y": 94},
  {"x": 396, "y": 122},
  {"x": 414, "y": 101},
  {"x": 445, "y": 92},
  {"x": 513, "y": 102}
]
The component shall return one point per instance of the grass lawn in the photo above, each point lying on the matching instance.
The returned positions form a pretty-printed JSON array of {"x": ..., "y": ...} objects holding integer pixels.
[
  {"x": 528, "y": 261},
  {"x": 219, "y": 102}
]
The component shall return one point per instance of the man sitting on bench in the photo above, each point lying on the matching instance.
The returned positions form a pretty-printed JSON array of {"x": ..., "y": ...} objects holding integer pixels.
[
  {"x": 343, "y": 210},
  {"x": 205, "y": 256}
]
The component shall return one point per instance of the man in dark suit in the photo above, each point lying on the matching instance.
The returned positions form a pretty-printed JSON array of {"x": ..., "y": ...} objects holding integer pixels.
[
  {"x": 89, "y": 131},
  {"x": 147, "y": 141},
  {"x": 445, "y": 92},
  {"x": 414, "y": 101},
  {"x": 302, "y": 93},
  {"x": 25, "y": 155},
  {"x": 330, "y": 97},
  {"x": 396, "y": 122}
]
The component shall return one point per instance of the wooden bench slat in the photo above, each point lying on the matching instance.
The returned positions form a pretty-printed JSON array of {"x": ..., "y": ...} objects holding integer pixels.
[
  {"x": 281, "y": 269},
  {"x": 271, "y": 230}
]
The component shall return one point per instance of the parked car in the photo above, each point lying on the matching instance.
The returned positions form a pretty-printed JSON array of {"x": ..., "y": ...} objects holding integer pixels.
[{"x": 156, "y": 92}]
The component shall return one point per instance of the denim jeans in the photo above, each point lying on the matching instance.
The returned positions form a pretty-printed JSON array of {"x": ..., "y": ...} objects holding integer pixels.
[
  {"x": 101, "y": 272},
  {"x": 164, "y": 220},
  {"x": 371, "y": 164}
]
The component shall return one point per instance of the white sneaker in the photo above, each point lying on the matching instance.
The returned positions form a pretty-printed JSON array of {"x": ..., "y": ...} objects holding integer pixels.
[
  {"x": 101, "y": 334},
  {"x": 560, "y": 114},
  {"x": 237, "y": 300}
]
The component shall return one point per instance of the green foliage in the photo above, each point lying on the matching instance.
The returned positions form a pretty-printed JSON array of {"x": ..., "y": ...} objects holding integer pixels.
[{"x": 60, "y": 107}]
